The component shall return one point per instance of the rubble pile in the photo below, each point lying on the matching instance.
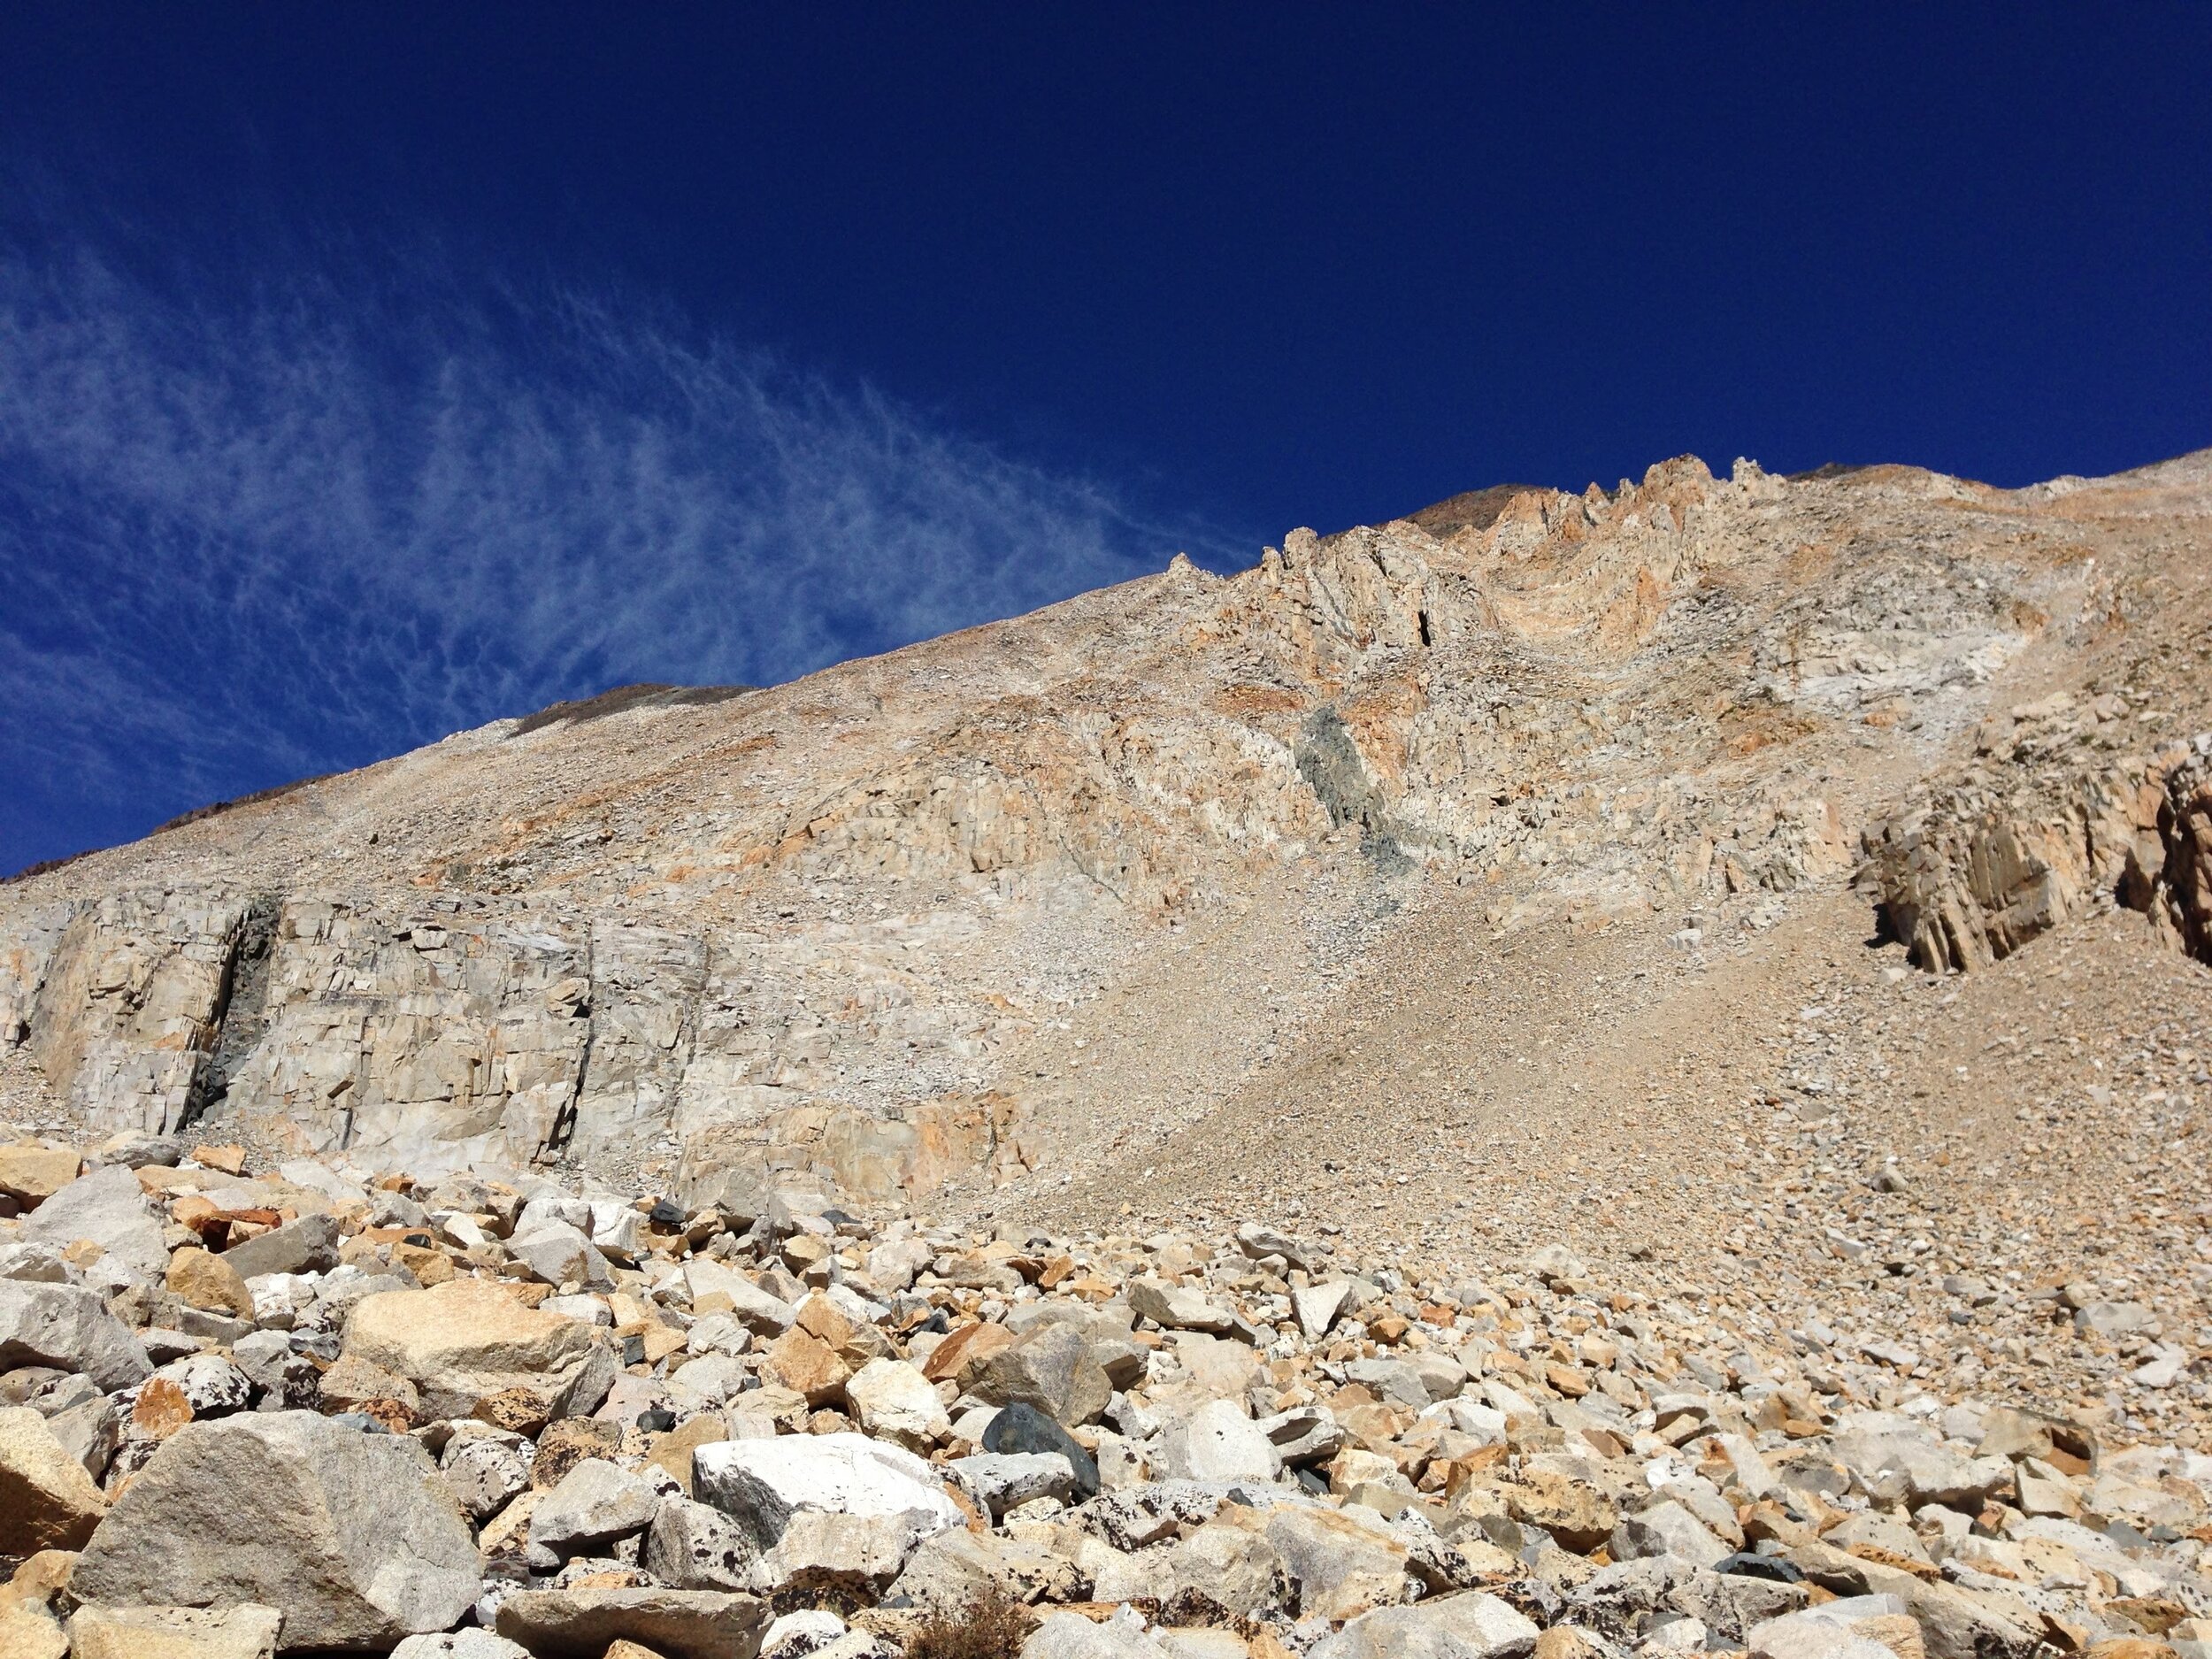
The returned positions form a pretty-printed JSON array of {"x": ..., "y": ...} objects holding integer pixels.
[{"x": 314, "y": 1409}]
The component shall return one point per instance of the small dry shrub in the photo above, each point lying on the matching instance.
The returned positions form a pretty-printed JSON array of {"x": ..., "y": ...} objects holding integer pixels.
[{"x": 994, "y": 1627}]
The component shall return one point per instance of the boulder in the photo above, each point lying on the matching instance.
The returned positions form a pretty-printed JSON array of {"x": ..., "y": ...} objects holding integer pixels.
[
  {"x": 1728, "y": 1604},
  {"x": 37, "y": 1263},
  {"x": 763, "y": 1484},
  {"x": 809, "y": 1366},
  {"x": 759, "y": 1311},
  {"x": 309, "y": 1245},
  {"x": 200, "y": 1279},
  {"x": 354, "y": 1384},
  {"x": 891, "y": 1400},
  {"x": 351, "y": 1536},
  {"x": 593, "y": 1504},
  {"x": 1072, "y": 1636},
  {"x": 1124, "y": 1359},
  {"x": 1305, "y": 1435},
  {"x": 1393, "y": 1381},
  {"x": 696, "y": 1547},
  {"x": 465, "y": 1340},
  {"x": 1006, "y": 1480},
  {"x": 1259, "y": 1242},
  {"x": 1667, "y": 1528},
  {"x": 69, "y": 1327},
  {"x": 1181, "y": 1307},
  {"x": 247, "y": 1632},
  {"x": 563, "y": 1445},
  {"x": 1340, "y": 1561},
  {"x": 1552, "y": 1262},
  {"x": 1024, "y": 1429},
  {"x": 460, "y": 1644},
  {"x": 1957, "y": 1623},
  {"x": 1318, "y": 1306},
  {"x": 1051, "y": 1369},
  {"x": 1228, "y": 1563},
  {"x": 672, "y": 1450},
  {"x": 2115, "y": 1320},
  {"x": 1217, "y": 1442},
  {"x": 562, "y": 1255},
  {"x": 47, "y": 1499},
  {"x": 1210, "y": 1367},
  {"x": 1911, "y": 1466},
  {"x": 894, "y": 1266},
  {"x": 28, "y": 1632},
  {"x": 795, "y": 1635},
  {"x": 1573, "y": 1511},
  {"x": 963, "y": 1355},
  {"x": 109, "y": 1207},
  {"x": 1473, "y": 1625},
  {"x": 2009, "y": 1433},
  {"x": 583, "y": 1622},
  {"x": 1815, "y": 1633},
  {"x": 484, "y": 1472},
  {"x": 90, "y": 1431},
  {"x": 958, "y": 1569},
  {"x": 30, "y": 1174},
  {"x": 210, "y": 1384},
  {"x": 831, "y": 1555}
]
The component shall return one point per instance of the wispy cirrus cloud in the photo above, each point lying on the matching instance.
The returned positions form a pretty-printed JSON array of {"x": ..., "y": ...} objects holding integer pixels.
[{"x": 247, "y": 536}]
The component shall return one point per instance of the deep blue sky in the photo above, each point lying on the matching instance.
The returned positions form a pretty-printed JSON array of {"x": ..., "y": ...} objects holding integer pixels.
[{"x": 371, "y": 371}]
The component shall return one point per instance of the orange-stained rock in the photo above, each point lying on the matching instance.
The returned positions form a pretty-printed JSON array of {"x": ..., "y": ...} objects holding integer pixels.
[{"x": 966, "y": 1351}]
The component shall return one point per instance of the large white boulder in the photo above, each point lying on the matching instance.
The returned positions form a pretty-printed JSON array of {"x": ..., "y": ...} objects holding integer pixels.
[{"x": 825, "y": 1506}]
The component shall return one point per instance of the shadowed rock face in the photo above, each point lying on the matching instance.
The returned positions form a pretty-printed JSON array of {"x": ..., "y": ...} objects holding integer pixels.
[{"x": 903, "y": 920}]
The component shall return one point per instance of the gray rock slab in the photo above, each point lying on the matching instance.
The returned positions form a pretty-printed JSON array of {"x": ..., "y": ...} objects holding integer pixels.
[{"x": 351, "y": 1536}]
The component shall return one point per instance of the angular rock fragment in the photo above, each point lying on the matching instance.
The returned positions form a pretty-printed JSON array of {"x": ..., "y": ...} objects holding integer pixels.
[
  {"x": 1019, "y": 1428},
  {"x": 1051, "y": 1369},
  {"x": 1217, "y": 1442},
  {"x": 460, "y": 1644},
  {"x": 697, "y": 1547},
  {"x": 204, "y": 1279},
  {"x": 584, "y": 1623},
  {"x": 309, "y": 1245},
  {"x": 1072, "y": 1636},
  {"x": 47, "y": 1499},
  {"x": 462, "y": 1343},
  {"x": 174, "y": 1633},
  {"x": 1473, "y": 1625},
  {"x": 891, "y": 1400},
  {"x": 595, "y": 1503},
  {"x": 111, "y": 1209},
  {"x": 30, "y": 1174},
  {"x": 68, "y": 1327},
  {"x": 772, "y": 1487}
]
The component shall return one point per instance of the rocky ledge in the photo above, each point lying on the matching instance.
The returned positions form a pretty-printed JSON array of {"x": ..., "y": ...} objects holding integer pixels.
[{"x": 317, "y": 1409}]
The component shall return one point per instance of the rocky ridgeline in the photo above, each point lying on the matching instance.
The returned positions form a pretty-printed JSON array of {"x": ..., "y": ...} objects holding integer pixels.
[
  {"x": 841, "y": 924},
  {"x": 311, "y": 1410}
]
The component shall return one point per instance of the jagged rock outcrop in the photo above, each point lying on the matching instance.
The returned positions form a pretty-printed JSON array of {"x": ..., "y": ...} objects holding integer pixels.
[{"x": 1975, "y": 873}]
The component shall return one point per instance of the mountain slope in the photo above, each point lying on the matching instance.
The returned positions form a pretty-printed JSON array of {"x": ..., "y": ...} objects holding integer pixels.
[{"x": 1170, "y": 861}]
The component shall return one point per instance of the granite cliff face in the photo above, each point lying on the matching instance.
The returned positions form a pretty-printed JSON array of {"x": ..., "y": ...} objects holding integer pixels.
[{"x": 1003, "y": 904}]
